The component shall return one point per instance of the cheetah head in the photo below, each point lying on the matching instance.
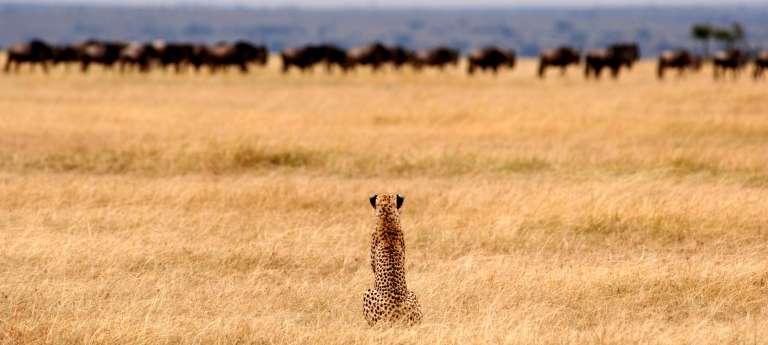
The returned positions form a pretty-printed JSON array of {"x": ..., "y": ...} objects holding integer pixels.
[{"x": 386, "y": 201}]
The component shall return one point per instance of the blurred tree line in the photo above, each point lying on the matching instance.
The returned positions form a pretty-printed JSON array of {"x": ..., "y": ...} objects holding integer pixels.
[{"x": 730, "y": 37}]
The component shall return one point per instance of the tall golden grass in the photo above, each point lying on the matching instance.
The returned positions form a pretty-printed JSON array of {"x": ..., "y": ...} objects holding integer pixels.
[{"x": 231, "y": 209}]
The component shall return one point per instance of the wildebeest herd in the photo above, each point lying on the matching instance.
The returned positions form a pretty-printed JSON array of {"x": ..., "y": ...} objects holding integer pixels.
[
  {"x": 242, "y": 55},
  {"x": 375, "y": 56},
  {"x": 137, "y": 56}
]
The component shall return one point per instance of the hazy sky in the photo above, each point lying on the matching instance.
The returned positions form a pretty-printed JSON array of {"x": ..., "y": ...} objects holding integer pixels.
[{"x": 400, "y": 3}]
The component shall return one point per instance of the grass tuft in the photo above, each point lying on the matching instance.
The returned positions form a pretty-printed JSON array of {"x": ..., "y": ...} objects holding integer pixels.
[
  {"x": 688, "y": 166},
  {"x": 217, "y": 159},
  {"x": 525, "y": 165},
  {"x": 643, "y": 228}
]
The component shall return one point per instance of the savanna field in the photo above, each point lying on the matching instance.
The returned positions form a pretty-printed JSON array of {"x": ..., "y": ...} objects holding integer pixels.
[{"x": 233, "y": 209}]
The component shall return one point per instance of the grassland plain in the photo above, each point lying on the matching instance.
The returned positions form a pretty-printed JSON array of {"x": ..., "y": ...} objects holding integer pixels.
[{"x": 231, "y": 209}]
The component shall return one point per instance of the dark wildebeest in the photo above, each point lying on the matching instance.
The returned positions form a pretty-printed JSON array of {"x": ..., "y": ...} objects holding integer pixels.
[
  {"x": 257, "y": 54},
  {"x": 223, "y": 54},
  {"x": 723, "y": 61},
  {"x": 103, "y": 53},
  {"x": 761, "y": 64},
  {"x": 439, "y": 57},
  {"x": 65, "y": 54},
  {"x": 613, "y": 57},
  {"x": 400, "y": 56},
  {"x": 630, "y": 51},
  {"x": 306, "y": 57},
  {"x": 174, "y": 54},
  {"x": 374, "y": 55},
  {"x": 303, "y": 58},
  {"x": 33, "y": 52},
  {"x": 680, "y": 59},
  {"x": 138, "y": 55},
  {"x": 492, "y": 58},
  {"x": 331, "y": 55},
  {"x": 196, "y": 56},
  {"x": 245, "y": 53},
  {"x": 560, "y": 57}
]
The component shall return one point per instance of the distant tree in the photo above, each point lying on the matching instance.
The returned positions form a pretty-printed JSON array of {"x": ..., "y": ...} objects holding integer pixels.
[
  {"x": 703, "y": 33},
  {"x": 725, "y": 36},
  {"x": 733, "y": 37},
  {"x": 738, "y": 31},
  {"x": 739, "y": 36}
]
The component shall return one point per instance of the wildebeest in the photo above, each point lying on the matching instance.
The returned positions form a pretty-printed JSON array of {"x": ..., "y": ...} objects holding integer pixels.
[
  {"x": 174, "y": 54},
  {"x": 439, "y": 57},
  {"x": 560, "y": 57},
  {"x": 680, "y": 59},
  {"x": 243, "y": 54},
  {"x": 614, "y": 57},
  {"x": 733, "y": 60},
  {"x": 100, "y": 52},
  {"x": 492, "y": 58},
  {"x": 139, "y": 55},
  {"x": 257, "y": 54},
  {"x": 65, "y": 54},
  {"x": 401, "y": 56},
  {"x": 761, "y": 64},
  {"x": 332, "y": 55},
  {"x": 374, "y": 55},
  {"x": 224, "y": 54},
  {"x": 32, "y": 52},
  {"x": 630, "y": 52},
  {"x": 221, "y": 55},
  {"x": 304, "y": 58},
  {"x": 194, "y": 55}
]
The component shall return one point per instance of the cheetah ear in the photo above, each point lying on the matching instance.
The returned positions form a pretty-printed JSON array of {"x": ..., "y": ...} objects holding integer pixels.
[
  {"x": 373, "y": 201},
  {"x": 400, "y": 200}
]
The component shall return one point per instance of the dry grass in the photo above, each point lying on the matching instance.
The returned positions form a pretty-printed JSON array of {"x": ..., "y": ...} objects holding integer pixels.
[{"x": 229, "y": 209}]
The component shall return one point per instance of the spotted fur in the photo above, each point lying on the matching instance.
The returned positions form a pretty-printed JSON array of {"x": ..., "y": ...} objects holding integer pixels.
[{"x": 389, "y": 301}]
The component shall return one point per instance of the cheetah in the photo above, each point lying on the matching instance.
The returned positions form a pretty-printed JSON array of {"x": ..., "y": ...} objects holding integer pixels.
[{"x": 389, "y": 301}]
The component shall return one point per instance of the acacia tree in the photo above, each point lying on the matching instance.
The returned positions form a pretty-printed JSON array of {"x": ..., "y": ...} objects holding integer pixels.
[
  {"x": 730, "y": 37},
  {"x": 725, "y": 36},
  {"x": 703, "y": 33},
  {"x": 738, "y": 34}
]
